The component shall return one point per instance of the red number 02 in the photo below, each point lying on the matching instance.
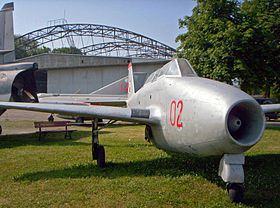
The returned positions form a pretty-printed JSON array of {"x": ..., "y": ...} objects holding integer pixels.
[{"x": 173, "y": 113}]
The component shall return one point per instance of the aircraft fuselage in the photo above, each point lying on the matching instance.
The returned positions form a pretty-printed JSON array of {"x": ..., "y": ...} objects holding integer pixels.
[
  {"x": 17, "y": 82},
  {"x": 200, "y": 116}
]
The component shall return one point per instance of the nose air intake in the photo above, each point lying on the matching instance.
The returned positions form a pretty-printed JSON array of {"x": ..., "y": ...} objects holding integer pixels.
[{"x": 245, "y": 123}]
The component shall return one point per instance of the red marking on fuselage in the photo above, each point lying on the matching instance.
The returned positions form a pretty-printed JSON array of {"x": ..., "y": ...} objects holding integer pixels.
[
  {"x": 179, "y": 103},
  {"x": 173, "y": 113}
]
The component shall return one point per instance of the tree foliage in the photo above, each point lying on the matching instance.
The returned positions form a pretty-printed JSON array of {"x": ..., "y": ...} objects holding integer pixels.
[
  {"x": 37, "y": 51},
  {"x": 30, "y": 48},
  {"x": 228, "y": 39},
  {"x": 66, "y": 50},
  {"x": 20, "y": 50}
]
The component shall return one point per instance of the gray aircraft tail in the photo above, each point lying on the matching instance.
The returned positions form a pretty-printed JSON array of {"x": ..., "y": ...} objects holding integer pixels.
[
  {"x": 120, "y": 87},
  {"x": 116, "y": 88},
  {"x": 7, "y": 48}
]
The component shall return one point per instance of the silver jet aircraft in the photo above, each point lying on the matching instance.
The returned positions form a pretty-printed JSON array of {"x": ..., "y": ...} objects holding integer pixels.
[
  {"x": 183, "y": 113},
  {"x": 17, "y": 82}
]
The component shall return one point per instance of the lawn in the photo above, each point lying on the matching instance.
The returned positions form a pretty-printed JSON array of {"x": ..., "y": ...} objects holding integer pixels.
[{"x": 60, "y": 173}]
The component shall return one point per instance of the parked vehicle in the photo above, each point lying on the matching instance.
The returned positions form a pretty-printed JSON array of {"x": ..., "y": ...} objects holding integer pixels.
[{"x": 263, "y": 101}]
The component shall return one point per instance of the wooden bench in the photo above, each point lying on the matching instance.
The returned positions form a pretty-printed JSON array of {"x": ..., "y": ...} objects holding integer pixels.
[{"x": 46, "y": 124}]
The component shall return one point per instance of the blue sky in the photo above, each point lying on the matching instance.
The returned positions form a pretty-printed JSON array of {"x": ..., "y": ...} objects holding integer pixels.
[{"x": 157, "y": 19}]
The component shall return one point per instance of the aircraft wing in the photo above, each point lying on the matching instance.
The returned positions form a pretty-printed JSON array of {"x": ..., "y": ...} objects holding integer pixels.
[
  {"x": 112, "y": 100},
  {"x": 270, "y": 108},
  {"x": 106, "y": 112}
]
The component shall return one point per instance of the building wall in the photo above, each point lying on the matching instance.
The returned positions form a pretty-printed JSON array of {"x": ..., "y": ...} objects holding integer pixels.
[
  {"x": 86, "y": 80},
  {"x": 58, "y": 61},
  {"x": 85, "y": 74}
]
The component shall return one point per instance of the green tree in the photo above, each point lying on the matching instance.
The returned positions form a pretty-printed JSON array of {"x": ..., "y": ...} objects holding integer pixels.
[
  {"x": 260, "y": 43},
  {"x": 206, "y": 44},
  {"x": 228, "y": 39},
  {"x": 65, "y": 50},
  {"x": 20, "y": 50},
  {"x": 25, "y": 47},
  {"x": 37, "y": 51}
]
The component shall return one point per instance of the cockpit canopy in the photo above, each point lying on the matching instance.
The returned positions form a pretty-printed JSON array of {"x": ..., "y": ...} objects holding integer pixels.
[{"x": 174, "y": 68}]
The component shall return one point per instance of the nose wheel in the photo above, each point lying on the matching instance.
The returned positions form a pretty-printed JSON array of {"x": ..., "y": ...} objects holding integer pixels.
[
  {"x": 231, "y": 171},
  {"x": 235, "y": 192}
]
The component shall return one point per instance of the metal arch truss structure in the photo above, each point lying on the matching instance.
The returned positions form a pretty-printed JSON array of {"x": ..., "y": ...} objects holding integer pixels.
[{"x": 100, "y": 40}]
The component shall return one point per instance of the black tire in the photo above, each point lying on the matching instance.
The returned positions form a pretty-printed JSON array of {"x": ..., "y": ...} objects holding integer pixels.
[
  {"x": 101, "y": 157},
  {"x": 235, "y": 192},
  {"x": 0, "y": 129},
  {"x": 94, "y": 151}
]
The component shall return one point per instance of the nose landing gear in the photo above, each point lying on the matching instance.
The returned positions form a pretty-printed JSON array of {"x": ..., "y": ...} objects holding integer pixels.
[{"x": 231, "y": 171}]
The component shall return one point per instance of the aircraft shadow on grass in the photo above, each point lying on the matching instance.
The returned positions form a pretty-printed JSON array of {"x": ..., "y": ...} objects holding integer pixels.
[
  {"x": 261, "y": 186},
  {"x": 11, "y": 141}
]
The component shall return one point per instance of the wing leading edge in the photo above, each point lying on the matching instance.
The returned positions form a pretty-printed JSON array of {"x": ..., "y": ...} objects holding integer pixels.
[
  {"x": 114, "y": 113},
  {"x": 119, "y": 101}
]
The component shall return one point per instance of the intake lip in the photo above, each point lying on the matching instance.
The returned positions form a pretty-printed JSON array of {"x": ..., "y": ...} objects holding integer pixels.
[{"x": 245, "y": 122}]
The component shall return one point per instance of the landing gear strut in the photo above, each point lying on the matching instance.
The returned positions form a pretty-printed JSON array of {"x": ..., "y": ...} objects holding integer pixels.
[
  {"x": 98, "y": 152},
  {"x": 231, "y": 171}
]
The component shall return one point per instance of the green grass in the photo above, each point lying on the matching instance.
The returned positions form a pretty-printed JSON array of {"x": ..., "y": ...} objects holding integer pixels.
[
  {"x": 60, "y": 173},
  {"x": 17, "y": 124}
]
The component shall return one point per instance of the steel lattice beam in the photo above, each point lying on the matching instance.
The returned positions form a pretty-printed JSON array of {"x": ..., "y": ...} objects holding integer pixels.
[{"x": 122, "y": 41}]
